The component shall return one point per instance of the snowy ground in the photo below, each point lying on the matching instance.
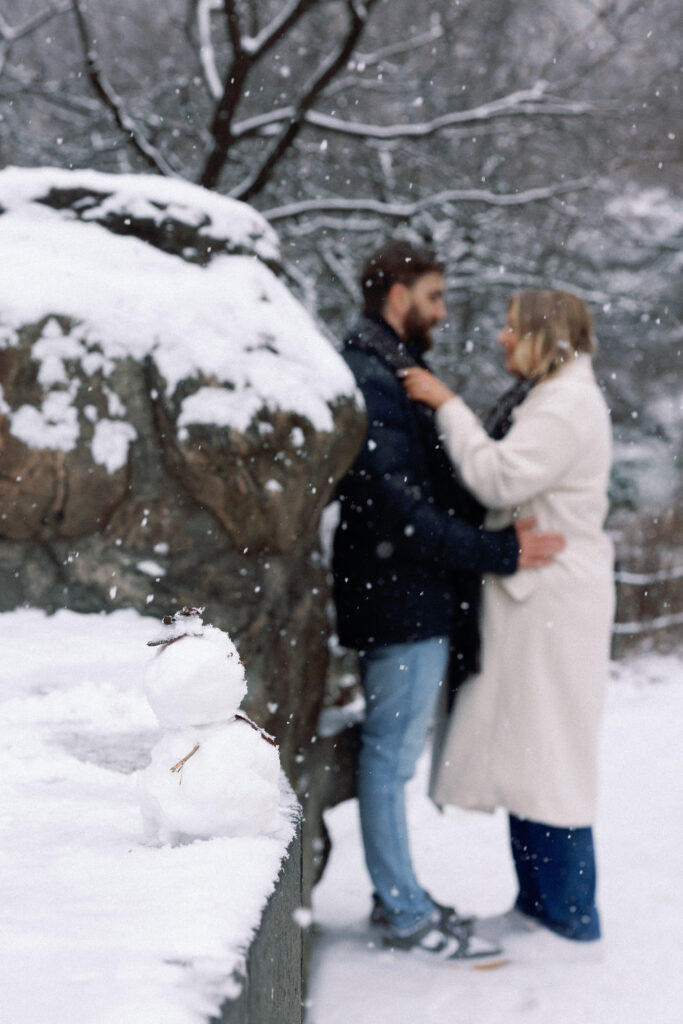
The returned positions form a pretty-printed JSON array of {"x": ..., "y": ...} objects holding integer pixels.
[
  {"x": 633, "y": 975},
  {"x": 97, "y": 926}
]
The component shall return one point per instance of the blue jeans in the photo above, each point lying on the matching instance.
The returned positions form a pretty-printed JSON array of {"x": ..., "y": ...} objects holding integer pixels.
[
  {"x": 557, "y": 877},
  {"x": 401, "y": 683}
]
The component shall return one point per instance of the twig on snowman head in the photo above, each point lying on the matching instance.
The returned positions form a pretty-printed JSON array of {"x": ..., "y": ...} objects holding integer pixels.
[{"x": 170, "y": 620}]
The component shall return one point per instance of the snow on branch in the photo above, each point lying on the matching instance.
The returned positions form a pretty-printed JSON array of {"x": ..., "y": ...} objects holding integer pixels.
[
  {"x": 252, "y": 125},
  {"x": 404, "y": 211},
  {"x": 245, "y": 48},
  {"x": 278, "y": 27},
  {"x": 246, "y": 52},
  {"x": 207, "y": 55},
  {"x": 10, "y": 33},
  {"x": 226, "y": 104},
  {"x": 314, "y": 225},
  {"x": 526, "y": 102},
  {"x": 364, "y": 60},
  {"x": 523, "y": 103},
  {"x": 105, "y": 90}
]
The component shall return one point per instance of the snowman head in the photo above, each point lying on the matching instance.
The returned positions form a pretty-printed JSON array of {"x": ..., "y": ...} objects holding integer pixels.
[{"x": 194, "y": 676}]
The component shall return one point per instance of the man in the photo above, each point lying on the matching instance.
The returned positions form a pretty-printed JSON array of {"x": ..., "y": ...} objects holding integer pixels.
[{"x": 408, "y": 554}]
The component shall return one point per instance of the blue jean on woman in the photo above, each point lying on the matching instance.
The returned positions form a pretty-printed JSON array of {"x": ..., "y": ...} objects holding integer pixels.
[
  {"x": 557, "y": 877},
  {"x": 401, "y": 683}
]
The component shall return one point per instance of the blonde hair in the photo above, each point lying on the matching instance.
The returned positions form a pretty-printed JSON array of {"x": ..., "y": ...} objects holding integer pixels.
[{"x": 553, "y": 328}]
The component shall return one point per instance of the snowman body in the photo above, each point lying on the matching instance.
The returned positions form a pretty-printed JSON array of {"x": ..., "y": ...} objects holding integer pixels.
[{"x": 212, "y": 772}]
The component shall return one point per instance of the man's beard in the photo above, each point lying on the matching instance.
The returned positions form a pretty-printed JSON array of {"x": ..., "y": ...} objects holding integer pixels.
[{"x": 416, "y": 331}]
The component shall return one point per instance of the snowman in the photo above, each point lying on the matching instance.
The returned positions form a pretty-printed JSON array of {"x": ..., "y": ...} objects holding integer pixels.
[{"x": 213, "y": 772}]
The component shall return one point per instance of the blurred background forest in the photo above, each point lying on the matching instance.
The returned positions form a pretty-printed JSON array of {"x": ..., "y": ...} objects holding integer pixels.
[{"x": 534, "y": 143}]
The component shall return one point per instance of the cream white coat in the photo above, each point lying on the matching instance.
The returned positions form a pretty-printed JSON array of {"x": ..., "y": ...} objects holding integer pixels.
[{"x": 524, "y": 732}]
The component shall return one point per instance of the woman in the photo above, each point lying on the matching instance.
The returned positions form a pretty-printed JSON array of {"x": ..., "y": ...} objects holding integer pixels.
[{"x": 523, "y": 734}]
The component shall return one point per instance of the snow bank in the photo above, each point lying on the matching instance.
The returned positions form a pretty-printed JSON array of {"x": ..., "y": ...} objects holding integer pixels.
[{"x": 94, "y": 924}]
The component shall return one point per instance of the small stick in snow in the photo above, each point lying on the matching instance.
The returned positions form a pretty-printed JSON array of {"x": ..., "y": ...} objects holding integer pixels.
[
  {"x": 169, "y": 620},
  {"x": 264, "y": 735},
  {"x": 166, "y": 643},
  {"x": 179, "y": 765}
]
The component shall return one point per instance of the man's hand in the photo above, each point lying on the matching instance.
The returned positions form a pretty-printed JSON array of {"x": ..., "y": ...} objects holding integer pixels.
[{"x": 536, "y": 549}]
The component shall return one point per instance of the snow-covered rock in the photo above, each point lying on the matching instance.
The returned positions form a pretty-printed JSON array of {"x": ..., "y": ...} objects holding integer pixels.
[{"x": 123, "y": 285}]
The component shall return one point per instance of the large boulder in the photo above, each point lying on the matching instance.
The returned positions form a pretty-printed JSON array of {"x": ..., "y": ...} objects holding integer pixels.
[{"x": 172, "y": 423}]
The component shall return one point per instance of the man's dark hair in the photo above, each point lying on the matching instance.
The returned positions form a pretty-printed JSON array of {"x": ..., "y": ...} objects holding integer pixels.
[{"x": 395, "y": 262}]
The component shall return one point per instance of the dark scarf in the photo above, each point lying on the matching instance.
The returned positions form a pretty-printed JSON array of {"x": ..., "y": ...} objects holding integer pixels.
[
  {"x": 498, "y": 420},
  {"x": 379, "y": 339}
]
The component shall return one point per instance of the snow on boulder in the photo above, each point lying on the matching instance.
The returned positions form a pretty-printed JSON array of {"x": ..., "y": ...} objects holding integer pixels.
[
  {"x": 119, "y": 284},
  {"x": 64, "y": 436}
]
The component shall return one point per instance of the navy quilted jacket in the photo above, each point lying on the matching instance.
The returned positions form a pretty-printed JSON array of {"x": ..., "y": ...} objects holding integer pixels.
[{"x": 409, "y": 548}]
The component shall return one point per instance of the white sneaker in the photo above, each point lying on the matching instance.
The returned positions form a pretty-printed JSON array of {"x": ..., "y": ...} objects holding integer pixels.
[{"x": 439, "y": 941}]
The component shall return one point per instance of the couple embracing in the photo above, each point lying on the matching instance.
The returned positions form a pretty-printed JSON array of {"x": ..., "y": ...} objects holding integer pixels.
[{"x": 472, "y": 573}]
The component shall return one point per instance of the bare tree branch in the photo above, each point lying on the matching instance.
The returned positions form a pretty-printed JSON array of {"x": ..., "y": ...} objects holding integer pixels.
[
  {"x": 221, "y": 124},
  {"x": 278, "y": 27},
  {"x": 313, "y": 225},
  {"x": 245, "y": 53},
  {"x": 338, "y": 270},
  {"x": 113, "y": 101},
  {"x": 404, "y": 211},
  {"x": 609, "y": 16},
  {"x": 526, "y": 102},
  {"x": 11, "y": 33},
  {"x": 232, "y": 23},
  {"x": 358, "y": 18},
  {"x": 516, "y": 104},
  {"x": 363, "y": 60}
]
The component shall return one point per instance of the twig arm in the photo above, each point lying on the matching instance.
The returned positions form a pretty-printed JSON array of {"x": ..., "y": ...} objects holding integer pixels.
[{"x": 179, "y": 765}]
